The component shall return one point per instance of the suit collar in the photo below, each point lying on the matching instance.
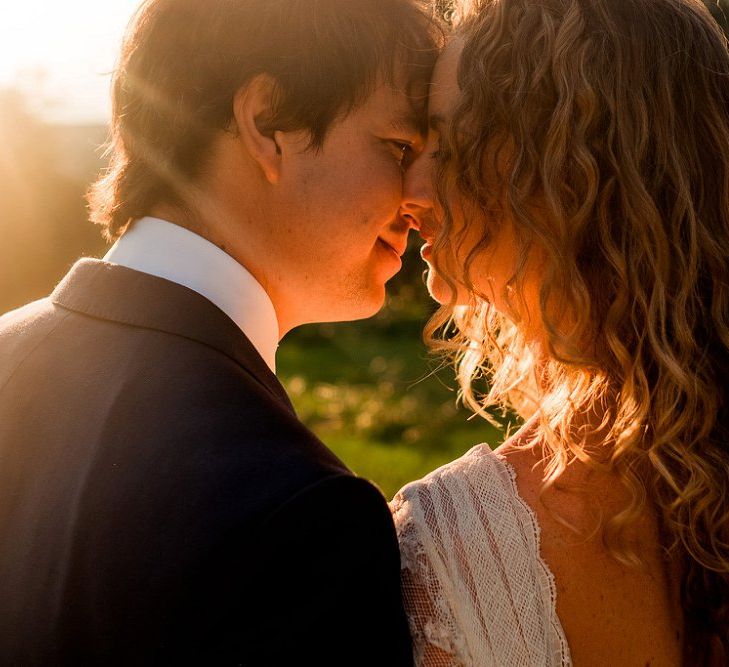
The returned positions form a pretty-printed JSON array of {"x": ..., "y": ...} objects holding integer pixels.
[
  {"x": 167, "y": 250},
  {"x": 116, "y": 293}
]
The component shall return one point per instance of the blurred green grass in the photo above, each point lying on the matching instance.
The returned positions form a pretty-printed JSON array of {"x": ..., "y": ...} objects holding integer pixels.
[{"x": 372, "y": 392}]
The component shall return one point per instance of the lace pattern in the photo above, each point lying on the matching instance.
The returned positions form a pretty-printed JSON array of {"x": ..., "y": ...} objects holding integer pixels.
[{"x": 476, "y": 589}]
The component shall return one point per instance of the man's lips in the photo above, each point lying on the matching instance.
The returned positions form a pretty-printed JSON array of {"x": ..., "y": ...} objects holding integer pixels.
[{"x": 397, "y": 248}]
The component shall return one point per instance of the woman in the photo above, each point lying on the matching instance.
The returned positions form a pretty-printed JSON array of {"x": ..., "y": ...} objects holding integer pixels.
[{"x": 578, "y": 243}]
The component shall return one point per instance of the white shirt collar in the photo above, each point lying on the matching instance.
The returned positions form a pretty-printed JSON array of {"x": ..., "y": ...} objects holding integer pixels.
[{"x": 169, "y": 251}]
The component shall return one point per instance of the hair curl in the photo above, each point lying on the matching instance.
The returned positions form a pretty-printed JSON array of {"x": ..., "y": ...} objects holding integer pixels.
[{"x": 614, "y": 117}]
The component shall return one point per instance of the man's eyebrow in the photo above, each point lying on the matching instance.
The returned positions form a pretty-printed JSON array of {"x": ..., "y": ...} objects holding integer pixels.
[
  {"x": 436, "y": 122},
  {"x": 407, "y": 123}
]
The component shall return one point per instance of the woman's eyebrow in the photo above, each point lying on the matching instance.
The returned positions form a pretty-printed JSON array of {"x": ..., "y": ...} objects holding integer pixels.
[{"x": 436, "y": 122}]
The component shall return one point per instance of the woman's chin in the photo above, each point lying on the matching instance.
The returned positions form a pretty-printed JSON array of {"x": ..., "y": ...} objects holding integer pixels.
[{"x": 441, "y": 292}]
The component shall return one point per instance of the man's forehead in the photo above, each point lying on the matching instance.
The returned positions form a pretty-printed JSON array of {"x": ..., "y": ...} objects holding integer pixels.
[{"x": 393, "y": 109}]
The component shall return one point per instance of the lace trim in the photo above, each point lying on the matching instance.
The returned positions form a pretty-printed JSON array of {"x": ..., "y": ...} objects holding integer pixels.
[
  {"x": 428, "y": 632},
  {"x": 434, "y": 624},
  {"x": 551, "y": 582}
]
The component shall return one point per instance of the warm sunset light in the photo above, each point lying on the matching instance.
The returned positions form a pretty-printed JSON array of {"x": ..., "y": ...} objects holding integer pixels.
[
  {"x": 60, "y": 54},
  {"x": 364, "y": 332}
]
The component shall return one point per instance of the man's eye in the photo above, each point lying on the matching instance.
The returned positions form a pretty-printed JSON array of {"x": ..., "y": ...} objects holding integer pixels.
[{"x": 405, "y": 153}]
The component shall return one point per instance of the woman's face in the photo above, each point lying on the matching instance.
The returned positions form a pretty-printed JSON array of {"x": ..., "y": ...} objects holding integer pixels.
[{"x": 492, "y": 267}]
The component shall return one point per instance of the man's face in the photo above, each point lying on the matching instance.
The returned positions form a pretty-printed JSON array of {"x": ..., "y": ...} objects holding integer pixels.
[{"x": 339, "y": 233}]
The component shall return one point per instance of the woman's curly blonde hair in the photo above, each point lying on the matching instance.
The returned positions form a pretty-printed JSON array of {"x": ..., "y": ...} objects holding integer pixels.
[{"x": 610, "y": 119}]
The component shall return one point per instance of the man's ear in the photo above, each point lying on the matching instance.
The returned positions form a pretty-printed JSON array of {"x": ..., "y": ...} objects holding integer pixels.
[{"x": 252, "y": 111}]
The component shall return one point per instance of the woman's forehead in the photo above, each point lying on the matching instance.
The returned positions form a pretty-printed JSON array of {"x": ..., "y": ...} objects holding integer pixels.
[{"x": 444, "y": 86}]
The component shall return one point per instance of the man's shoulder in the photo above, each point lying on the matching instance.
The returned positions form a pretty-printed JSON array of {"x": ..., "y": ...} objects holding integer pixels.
[
  {"x": 340, "y": 517},
  {"x": 33, "y": 316},
  {"x": 168, "y": 409},
  {"x": 347, "y": 496},
  {"x": 22, "y": 330}
]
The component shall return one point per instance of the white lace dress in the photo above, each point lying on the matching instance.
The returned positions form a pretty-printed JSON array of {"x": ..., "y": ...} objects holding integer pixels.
[{"x": 476, "y": 589}]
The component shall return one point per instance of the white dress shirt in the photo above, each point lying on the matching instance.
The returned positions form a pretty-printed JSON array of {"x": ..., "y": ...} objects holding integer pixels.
[{"x": 166, "y": 250}]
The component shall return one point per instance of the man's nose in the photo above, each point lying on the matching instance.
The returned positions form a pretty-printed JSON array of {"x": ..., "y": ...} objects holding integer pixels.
[
  {"x": 410, "y": 220},
  {"x": 417, "y": 199}
]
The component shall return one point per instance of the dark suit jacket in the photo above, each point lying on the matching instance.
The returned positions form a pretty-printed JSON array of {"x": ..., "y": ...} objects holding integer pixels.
[{"x": 161, "y": 503}]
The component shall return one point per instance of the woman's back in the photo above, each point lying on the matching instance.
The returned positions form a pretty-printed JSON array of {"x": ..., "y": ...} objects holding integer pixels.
[{"x": 612, "y": 613}]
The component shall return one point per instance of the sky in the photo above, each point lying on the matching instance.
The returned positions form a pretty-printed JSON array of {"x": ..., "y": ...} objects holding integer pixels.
[{"x": 60, "y": 53}]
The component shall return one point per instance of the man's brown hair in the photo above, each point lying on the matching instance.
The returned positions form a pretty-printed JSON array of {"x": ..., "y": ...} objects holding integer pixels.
[{"x": 182, "y": 61}]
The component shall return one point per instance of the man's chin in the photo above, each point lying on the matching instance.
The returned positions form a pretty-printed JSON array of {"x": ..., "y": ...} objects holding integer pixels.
[
  {"x": 372, "y": 304},
  {"x": 361, "y": 306}
]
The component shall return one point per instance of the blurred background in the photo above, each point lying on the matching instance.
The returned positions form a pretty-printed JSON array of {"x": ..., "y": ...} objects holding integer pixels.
[{"x": 369, "y": 389}]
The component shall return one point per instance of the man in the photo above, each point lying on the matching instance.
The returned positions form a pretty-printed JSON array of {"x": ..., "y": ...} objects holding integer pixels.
[{"x": 159, "y": 500}]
